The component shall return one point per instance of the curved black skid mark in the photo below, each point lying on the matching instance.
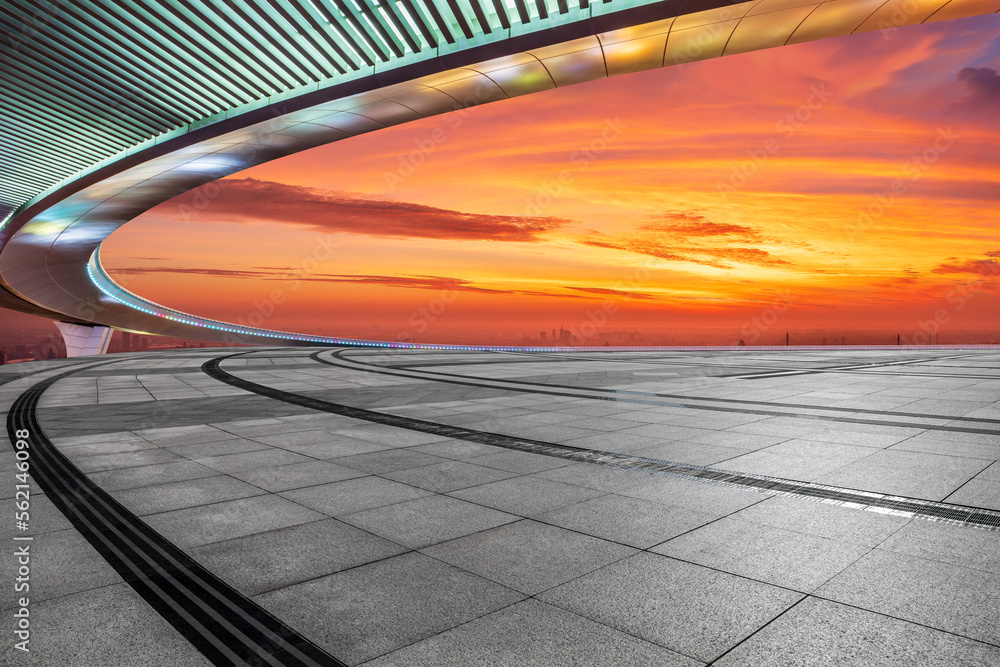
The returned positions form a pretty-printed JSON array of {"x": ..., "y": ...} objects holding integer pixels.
[
  {"x": 958, "y": 514},
  {"x": 225, "y": 626},
  {"x": 622, "y": 396},
  {"x": 377, "y": 368}
]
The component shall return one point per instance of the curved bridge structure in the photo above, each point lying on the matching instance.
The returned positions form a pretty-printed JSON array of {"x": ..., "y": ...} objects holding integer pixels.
[{"x": 115, "y": 110}]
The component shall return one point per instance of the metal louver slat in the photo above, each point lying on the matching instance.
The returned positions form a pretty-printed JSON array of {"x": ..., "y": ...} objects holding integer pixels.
[
  {"x": 484, "y": 22},
  {"x": 439, "y": 20},
  {"x": 89, "y": 79},
  {"x": 114, "y": 34},
  {"x": 414, "y": 13},
  {"x": 283, "y": 22},
  {"x": 310, "y": 15}
]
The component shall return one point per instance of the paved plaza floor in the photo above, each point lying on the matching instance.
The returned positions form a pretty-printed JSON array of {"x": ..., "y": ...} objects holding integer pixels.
[{"x": 319, "y": 506}]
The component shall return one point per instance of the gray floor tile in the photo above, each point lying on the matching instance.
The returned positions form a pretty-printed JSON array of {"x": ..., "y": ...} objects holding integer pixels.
[
  {"x": 912, "y": 474},
  {"x": 220, "y": 448},
  {"x": 978, "y": 493},
  {"x": 930, "y": 443},
  {"x": 818, "y": 632},
  {"x": 390, "y": 435},
  {"x": 529, "y": 556},
  {"x": 113, "y": 447},
  {"x": 386, "y": 461},
  {"x": 143, "y": 457},
  {"x": 183, "y": 435},
  {"x": 533, "y": 634},
  {"x": 637, "y": 523},
  {"x": 602, "y": 424},
  {"x": 765, "y": 553},
  {"x": 615, "y": 442},
  {"x": 798, "y": 459},
  {"x": 845, "y": 524},
  {"x": 601, "y": 478},
  {"x": 233, "y": 463},
  {"x": 103, "y": 627},
  {"x": 61, "y": 563},
  {"x": 690, "y": 609},
  {"x": 354, "y": 495},
  {"x": 520, "y": 462},
  {"x": 129, "y": 478},
  {"x": 449, "y": 476},
  {"x": 335, "y": 446},
  {"x": 734, "y": 440},
  {"x": 297, "y": 475},
  {"x": 290, "y": 438},
  {"x": 526, "y": 496},
  {"x": 848, "y": 434},
  {"x": 429, "y": 520},
  {"x": 371, "y": 610},
  {"x": 719, "y": 499},
  {"x": 70, "y": 441},
  {"x": 691, "y": 453},
  {"x": 946, "y": 597},
  {"x": 945, "y": 543},
  {"x": 189, "y": 493},
  {"x": 224, "y": 521},
  {"x": 279, "y": 558},
  {"x": 665, "y": 432},
  {"x": 456, "y": 449},
  {"x": 992, "y": 472}
]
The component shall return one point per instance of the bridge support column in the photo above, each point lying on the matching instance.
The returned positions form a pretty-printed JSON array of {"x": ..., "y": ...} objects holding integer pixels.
[{"x": 83, "y": 339}]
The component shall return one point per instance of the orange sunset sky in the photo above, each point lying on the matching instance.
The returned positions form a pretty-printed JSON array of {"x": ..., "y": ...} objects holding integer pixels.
[{"x": 853, "y": 181}]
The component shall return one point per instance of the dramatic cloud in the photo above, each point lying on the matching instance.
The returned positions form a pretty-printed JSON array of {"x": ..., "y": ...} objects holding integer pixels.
[
  {"x": 982, "y": 84},
  {"x": 694, "y": 225},
  {"x": 897, "y": 283},
  {"x": 439, "y": 283},
  {"x": 334, "y": 211},
  {"x": 603, "y": 291},
  {"x": 980, "y": 267},
  {"x": 686, "y": 236},
  {"x": 742, "y": 255},
  {"x": 222, "y": 273},
  {"x": 705, "y": 256},
  {"x": 286, "y": 273}
]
